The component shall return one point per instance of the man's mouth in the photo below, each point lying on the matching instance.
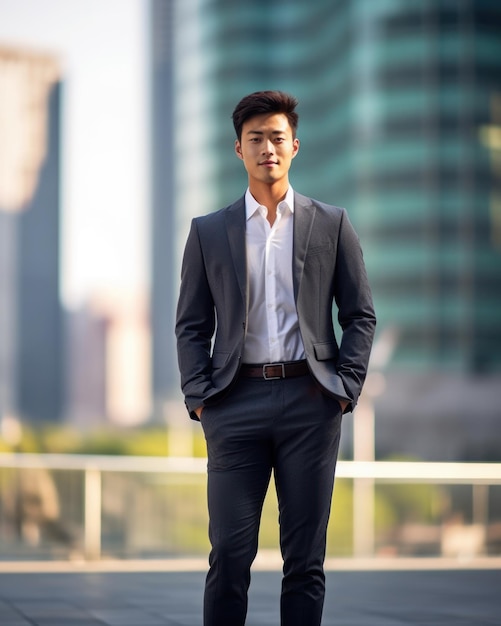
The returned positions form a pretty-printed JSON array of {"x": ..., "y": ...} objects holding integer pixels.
[{"x": 268, "y": 163}]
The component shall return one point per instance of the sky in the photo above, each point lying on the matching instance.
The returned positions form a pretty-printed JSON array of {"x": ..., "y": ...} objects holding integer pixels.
[{"x": 101, "y": 46}]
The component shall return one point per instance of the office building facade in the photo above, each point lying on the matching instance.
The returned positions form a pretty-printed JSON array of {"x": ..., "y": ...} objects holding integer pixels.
[
  {"x": 396, "y": 102},
  {"x": 399, "y": 123},
  {"x": 31, "y": 329},
  {"x": 162, "y": 257}
]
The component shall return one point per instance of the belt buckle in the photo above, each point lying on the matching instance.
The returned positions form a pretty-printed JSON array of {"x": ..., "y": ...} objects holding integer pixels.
[{"x": 266, "y": 365}]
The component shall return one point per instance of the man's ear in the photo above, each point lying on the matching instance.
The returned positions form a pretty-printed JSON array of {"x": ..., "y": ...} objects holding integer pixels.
[
  {"x": 295, "y": 145},
  {"x": 238, "y": 150}
]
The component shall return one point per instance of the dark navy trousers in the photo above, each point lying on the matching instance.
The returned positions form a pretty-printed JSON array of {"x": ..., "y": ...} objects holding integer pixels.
[{"x": 292, "y": 428}]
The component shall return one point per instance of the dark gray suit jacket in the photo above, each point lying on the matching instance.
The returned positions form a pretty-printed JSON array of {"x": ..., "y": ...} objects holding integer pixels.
[{"x": 212, "y": 310}]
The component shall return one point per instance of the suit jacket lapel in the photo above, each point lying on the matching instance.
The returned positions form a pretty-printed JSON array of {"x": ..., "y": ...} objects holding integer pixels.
[
  {"x": 235, "y": 227},
  {"x": 304, "y": 213}
]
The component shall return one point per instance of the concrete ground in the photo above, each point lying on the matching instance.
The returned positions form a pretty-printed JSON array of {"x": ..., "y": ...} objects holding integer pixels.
[{"x": 355, "y": 597}]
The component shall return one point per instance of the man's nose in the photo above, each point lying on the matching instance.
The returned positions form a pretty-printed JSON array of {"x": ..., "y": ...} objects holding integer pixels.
[{"x": 268, "y": 147}]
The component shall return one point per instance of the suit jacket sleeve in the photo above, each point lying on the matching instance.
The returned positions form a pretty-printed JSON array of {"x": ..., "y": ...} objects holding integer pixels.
[
  {"x": 355, "y": 311},
  {"x": 195, "y": 325}
]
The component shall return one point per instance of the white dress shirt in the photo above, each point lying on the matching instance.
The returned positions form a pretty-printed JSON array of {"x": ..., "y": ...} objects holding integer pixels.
[{"x": 272, "y": 328}]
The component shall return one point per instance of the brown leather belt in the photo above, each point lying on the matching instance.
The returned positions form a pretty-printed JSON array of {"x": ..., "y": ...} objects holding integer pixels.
[{"x": 274, "y": 371}]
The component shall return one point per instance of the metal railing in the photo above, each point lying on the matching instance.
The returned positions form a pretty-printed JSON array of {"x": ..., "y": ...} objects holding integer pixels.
[{"x": 104, "y": 490}]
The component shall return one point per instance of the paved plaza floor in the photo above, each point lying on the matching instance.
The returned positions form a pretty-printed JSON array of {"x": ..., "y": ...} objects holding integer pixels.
[{"x": 441, "y": 597}]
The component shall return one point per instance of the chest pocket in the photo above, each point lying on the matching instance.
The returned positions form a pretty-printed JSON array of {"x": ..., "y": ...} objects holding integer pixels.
[{"x": 320, "y": 249}]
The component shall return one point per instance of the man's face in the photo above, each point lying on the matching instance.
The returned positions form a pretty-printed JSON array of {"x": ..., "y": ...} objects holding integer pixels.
[{"x": 267, "y": 147}]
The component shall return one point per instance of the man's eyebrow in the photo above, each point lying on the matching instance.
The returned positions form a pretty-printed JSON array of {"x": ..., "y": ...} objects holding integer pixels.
[{"x": 260, "y": 132}]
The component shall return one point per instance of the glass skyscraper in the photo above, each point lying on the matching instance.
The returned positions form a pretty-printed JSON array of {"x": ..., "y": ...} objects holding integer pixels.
[
  {"x": 397, "y": 103},
  {"x": 400, "y": 122}
]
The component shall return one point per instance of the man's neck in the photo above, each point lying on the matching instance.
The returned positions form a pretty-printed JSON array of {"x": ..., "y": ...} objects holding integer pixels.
[{"x": 269, "y": 195}]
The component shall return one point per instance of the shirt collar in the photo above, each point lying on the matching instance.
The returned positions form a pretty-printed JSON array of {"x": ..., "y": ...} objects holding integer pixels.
[{"x": 252, "y": 205}]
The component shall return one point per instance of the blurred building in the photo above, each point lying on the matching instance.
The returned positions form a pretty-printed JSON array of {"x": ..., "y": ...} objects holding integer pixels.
[
  {"x": 400, "y": 123},
  {"x": 423, "y": 182},
  {"x": 128, "y": 363},
  {"x": 30, "y": 312},
  {"x": 163, "y": 227},
  {"x": 86, "y": 381},
  {"x": 108, "y": 362}
]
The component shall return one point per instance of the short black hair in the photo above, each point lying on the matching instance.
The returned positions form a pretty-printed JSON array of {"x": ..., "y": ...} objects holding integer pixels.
[{"x": 261, "y": 102}]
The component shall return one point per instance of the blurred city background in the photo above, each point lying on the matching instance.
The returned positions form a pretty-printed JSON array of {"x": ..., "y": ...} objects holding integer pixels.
[{"x": 115, "y": 131}]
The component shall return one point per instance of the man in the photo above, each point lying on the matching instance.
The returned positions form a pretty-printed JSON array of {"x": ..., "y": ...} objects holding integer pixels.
[{"x": 260, "y": 365}]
